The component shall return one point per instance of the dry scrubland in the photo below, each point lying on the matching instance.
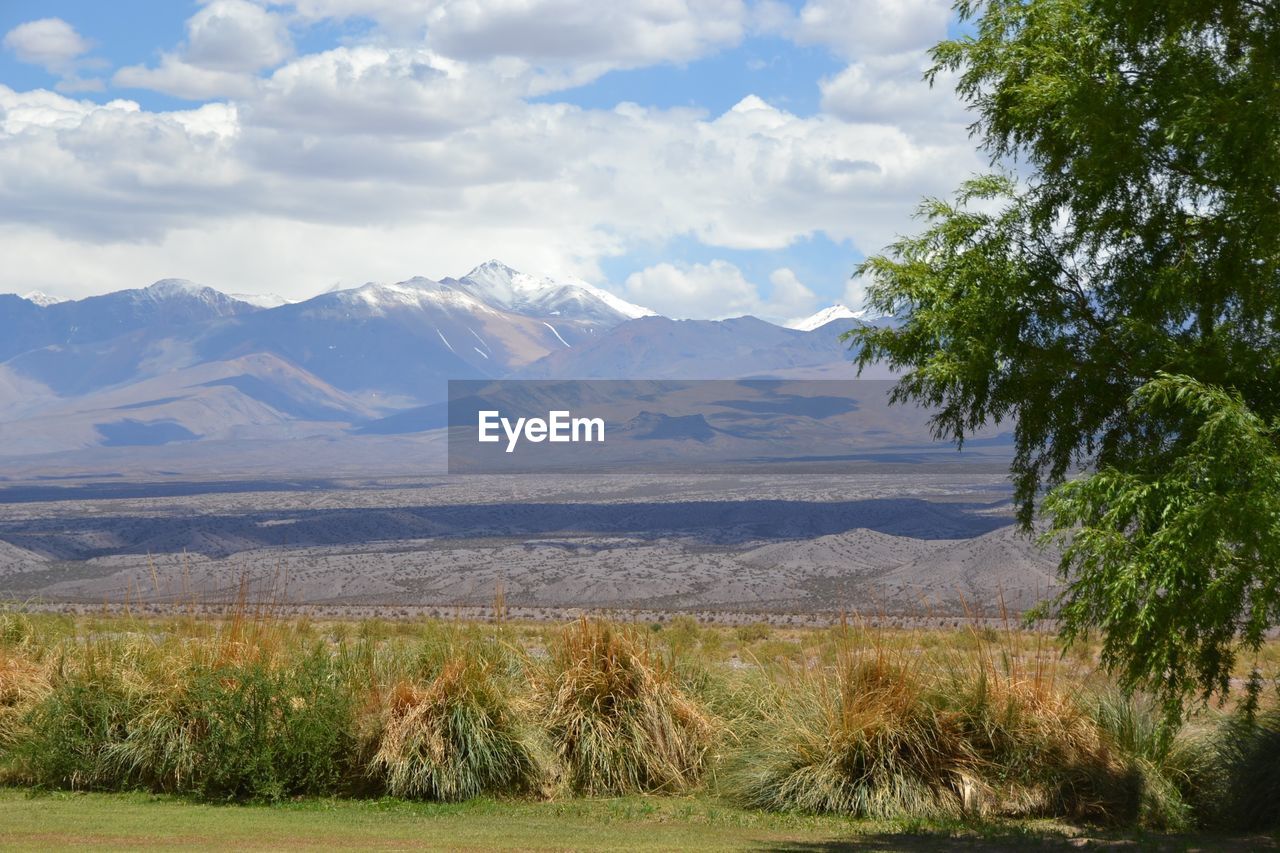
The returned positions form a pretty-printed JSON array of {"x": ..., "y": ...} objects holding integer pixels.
[
  {"x": 882, "y": 724},
  {"x": 907, "y": 541}
]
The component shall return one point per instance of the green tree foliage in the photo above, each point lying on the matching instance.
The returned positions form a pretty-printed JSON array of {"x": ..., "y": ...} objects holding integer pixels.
[
  {"x": 1177, "y": 556},
  {"x": 1114, "y": 290}
]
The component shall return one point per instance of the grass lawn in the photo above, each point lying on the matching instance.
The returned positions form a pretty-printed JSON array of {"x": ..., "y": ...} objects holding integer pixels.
[{"x": 142, "y": 821}]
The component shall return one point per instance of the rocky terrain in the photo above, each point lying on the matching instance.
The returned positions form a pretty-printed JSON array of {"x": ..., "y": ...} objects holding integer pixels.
[{"x": 879, "y": 540}]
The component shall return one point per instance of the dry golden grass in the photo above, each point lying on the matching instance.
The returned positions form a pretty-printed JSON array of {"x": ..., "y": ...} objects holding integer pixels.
[
  {"x": 461, "y": 735},
  {"x": 878, "y": 722},
  {"x": 620, "y": 721}
]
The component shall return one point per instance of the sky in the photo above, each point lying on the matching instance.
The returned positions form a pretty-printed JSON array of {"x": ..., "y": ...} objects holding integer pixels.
[{"x": 704, "y": 158}]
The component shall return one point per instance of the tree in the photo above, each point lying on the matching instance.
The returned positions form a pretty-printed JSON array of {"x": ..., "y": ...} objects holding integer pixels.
[{"x": 1113, "y": 288}]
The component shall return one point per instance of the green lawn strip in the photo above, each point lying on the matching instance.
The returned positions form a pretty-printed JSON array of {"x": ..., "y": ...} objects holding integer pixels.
[
  {"x": 631, "y": 823},
  {"x": 143, "y": 821}
]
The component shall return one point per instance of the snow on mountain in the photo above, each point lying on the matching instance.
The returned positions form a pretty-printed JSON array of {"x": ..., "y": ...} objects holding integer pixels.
[
  {"x": 149, "y": 312},
  {"x": 177, "y": 288},
  {"x": 44, "y": 300},
  {"x": 399, "y": 341},
  {"x": 662, "y": 348},
  {"x": 420, "y": 293},
  {"x": 825, "y": 316},
  {"x": 261, "y": 300},
  {"x": 864, "y": 317},
  {"x": 202, "y": 364},
  {"x": 540, "y": 296}
]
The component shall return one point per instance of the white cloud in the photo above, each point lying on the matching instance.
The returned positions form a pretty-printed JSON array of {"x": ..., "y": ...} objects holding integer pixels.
[
  {"x": 861, "y": 28},
  {"x": 261, "y": 254},
  {"x": 887, "y": 43},
  {"x": 892, "y": 90},
  {"x": 789, "y": 295},
  {"x": 236, "y": 35},
  {"x": 55, "y": 46},
  {"x": 555, "y": 184},
  {"x": 75, "y": 83},
  {"x": 567, "y": 42},
  {"x": 228, "y": 42},
  {"x": 617, "y": 34},
  {"x": 175, "y": 77},
  {"x": 374, "y": 90},
  {"x": 717, "y": 289},
  {"x": 388, "y": 157},
  {"x": 51, "y": 43},
  {"x": 855, "y": 293}
]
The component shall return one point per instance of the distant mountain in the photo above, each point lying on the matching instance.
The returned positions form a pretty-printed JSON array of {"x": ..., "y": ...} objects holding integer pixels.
[
  {"x": 262, "y": 300},
  {"x": 44, "y": 300},
  {"x": 497, "y": 284},
  {"x": 825, "y": 316},
  {"x": 393, "y": 344},
  {"x": 256, "y": 396},
  {"x": 154, "y": 310},
  {"x": 661, "y": 348},
  {"x": 842, "y": 314},
  {"x": 402, "y": 341},
  {"x": 178, "y": 362},
  {"x": 23, "y": 325}
]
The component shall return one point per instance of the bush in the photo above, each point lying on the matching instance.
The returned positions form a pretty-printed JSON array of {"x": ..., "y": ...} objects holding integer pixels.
[
  {"x": 1239, "y": 783},
  {"x": 890, "y": 726},
  {"x": 752, "y": 632},
  {"x": 67, "y": 734},
  {"x": 616, "y": 716},
  {"x": 864, "y": 743},
  {"x": 1041, "y": 754},
  {"x": 242, "y": 730},
  {"x": 23, "y": 684},
  {"x": 457, "y": 737},
  {"x": 1162, "y": 762}
]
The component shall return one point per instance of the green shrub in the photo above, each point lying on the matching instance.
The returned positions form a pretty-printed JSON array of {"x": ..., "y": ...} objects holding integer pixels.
[
  {"x": 242, "y": 730},
  {"x": 1041, "y": 754},
  {"x": 1162, "y": 763},
  {"x": 459, "y": 736},
  {"x": 753, "y": 632},
  {"x": 863, "y": 742},
  {"x": 67, "y": 735},
  {"x": 23, "y": 684},
  {"x": 617, "y": 717},
  {"x": 16, "y": 628},
  {"x": 1238, "y": 785}
]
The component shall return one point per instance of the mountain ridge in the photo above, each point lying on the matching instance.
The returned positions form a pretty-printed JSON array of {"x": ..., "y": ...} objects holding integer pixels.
[{"x": 350, "y": 361}]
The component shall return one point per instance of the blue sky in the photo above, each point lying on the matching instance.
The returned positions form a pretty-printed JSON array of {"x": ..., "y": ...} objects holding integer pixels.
[{"x": 702, "y": 157}]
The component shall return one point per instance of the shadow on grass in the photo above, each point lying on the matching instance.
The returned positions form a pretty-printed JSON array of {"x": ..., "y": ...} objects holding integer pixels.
[{"x": 998, "y": 839}]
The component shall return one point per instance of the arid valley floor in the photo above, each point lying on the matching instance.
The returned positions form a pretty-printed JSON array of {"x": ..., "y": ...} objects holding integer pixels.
[{"x": 877, "y": 540}]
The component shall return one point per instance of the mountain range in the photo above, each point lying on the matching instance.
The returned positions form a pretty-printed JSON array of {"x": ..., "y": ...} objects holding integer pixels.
[{"x": 175, "y": 362}]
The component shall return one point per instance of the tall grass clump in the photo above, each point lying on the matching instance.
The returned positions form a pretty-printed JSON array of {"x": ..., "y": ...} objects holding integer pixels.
[
  {"x": 1163, "y": 762},
  {"x": 243, "y": 729},
  {"x": 460, "y": 735},
  {"x": 66, "y": 736},
  {"x": 24, "y": 683},
  {"x": 617, "y": 717},
  {"x": 861, "y": 740},
  {"x": 1041, "y": 754},
  {"x": 1239, "y": 782}
]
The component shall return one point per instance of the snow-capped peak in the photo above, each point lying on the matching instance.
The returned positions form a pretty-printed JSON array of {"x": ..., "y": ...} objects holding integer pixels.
[
  {"x": 167, "y": 287},
  {"x": 508, "y": 288},
  {"x": 261, "y": 300},
  {"x": 825, "y": 316},
  {"x": 181, "y": 291},
  {"x": 628, "y": 309},
  {"x": 418, "y": 292},
  {"x": 44, "y": 300}
]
